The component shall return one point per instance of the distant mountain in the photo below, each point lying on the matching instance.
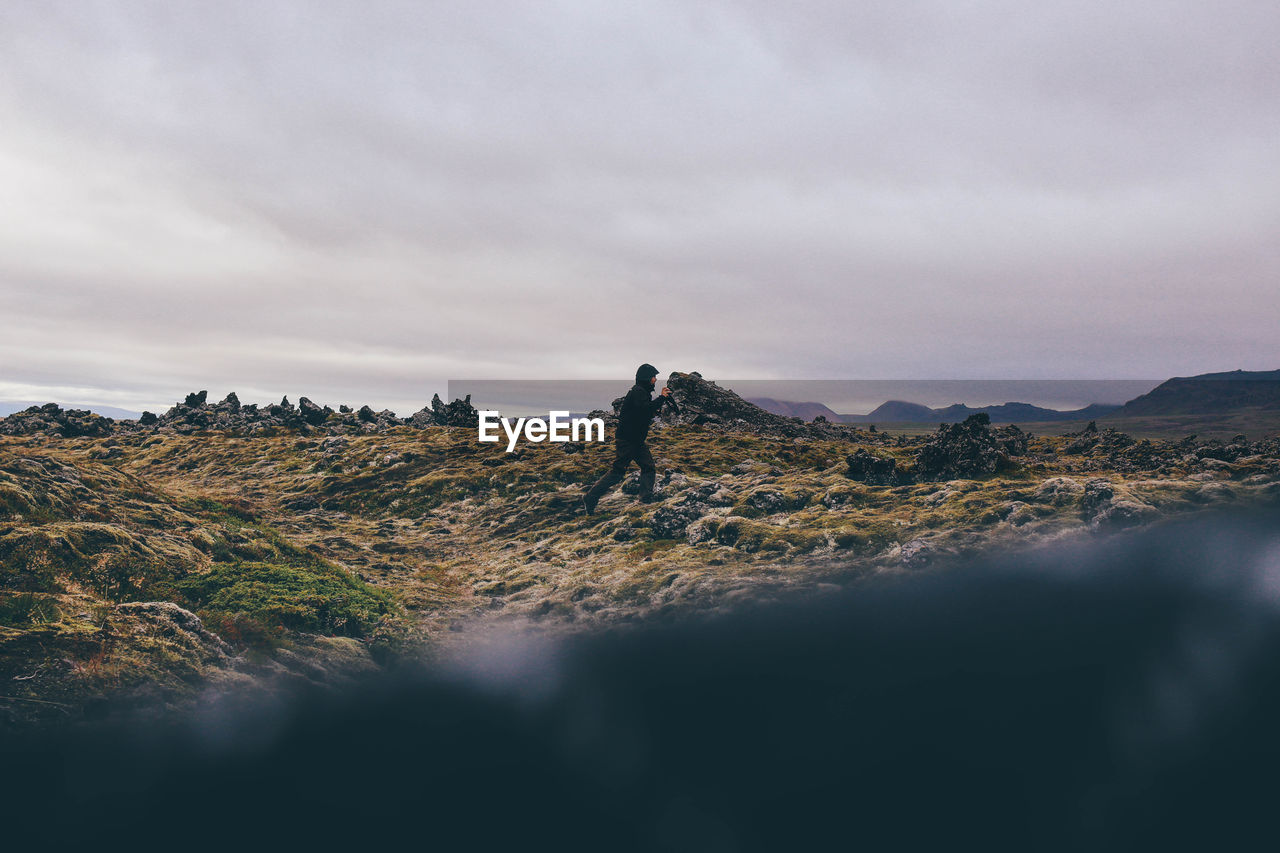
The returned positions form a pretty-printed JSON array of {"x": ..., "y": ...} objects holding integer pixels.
[
  {"x": 900, "y": 411},
  {"x": 1208, "y": 393},
  {"x": 8, "y": 407},
  {"x": 805, "y": 411},
  {"x": 1236, "y": 376}
]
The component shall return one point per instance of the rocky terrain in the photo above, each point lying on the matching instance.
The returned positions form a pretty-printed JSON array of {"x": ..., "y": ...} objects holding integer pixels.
[
  {"x": 195, "y": 414},
  {"x": 143, "y": 561}
]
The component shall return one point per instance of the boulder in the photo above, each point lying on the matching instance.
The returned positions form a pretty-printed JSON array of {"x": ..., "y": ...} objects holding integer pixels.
[
  {"x": 1059, "y": 491},
  {"x": 311, "y": 413},
  {"x": 964, "y": 451},
  {"x": 672, "y": 522},
  {"x": 864, "y": 467},
  {"x": 460, "y": 413}
]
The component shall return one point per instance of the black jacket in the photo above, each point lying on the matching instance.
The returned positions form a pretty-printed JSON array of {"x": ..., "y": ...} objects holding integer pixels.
[{"x": 637, "y": 412}]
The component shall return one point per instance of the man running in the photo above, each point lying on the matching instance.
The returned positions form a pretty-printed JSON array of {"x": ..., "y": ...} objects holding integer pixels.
[{"x": 638, "y": 411}]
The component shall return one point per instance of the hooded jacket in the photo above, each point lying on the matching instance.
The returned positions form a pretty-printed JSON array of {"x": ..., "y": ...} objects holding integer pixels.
[{"x": 638, "y": 408}]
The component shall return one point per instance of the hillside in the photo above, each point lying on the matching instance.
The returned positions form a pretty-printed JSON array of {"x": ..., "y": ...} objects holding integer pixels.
[
  {"x": 142, "y": 563},
  {"x": 1209, "y": 393},
  {"x": 804, "y": 411}
]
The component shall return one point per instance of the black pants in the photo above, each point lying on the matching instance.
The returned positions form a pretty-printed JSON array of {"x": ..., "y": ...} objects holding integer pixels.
[{"x": 625, "y": 451}]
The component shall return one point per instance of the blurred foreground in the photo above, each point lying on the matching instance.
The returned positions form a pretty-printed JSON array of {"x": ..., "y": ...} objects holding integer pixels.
[{"x": 1117, "y": 693}]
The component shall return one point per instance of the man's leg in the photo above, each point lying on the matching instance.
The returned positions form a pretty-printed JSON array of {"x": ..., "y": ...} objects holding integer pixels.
[
  {"x": 611, "y": 478},
  {"x": 648, "y": 471}
]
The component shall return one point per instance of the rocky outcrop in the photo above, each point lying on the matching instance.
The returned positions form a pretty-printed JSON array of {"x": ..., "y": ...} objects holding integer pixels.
[
  {"x": 311, "y": 413},
  {"x": 52, "y": 419},
  {"x": 459, "y": 413},
  {"x": 670, "y": 522},
  {"x": 196, "y": 414},
  {"x": 1101, "y": 505},
  {"x": 873, "y": 470},
  {"x": 968, "y": 449},
  {"x": 1116, "y": 451}
]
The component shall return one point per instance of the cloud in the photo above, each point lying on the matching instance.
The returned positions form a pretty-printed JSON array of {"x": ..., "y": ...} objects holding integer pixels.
[{"x": 331, "y": 197}]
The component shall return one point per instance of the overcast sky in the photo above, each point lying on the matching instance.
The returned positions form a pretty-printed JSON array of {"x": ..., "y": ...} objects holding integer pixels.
[{"x": 357, "y": 201}]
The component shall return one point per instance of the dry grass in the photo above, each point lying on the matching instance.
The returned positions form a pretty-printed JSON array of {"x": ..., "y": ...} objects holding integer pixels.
[{"x": 440, "y": 529}]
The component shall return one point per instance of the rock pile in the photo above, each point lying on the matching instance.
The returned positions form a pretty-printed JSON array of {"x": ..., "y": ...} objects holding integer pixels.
[
  {"x": 1114, "y": 450},
  {"x": 874, "y": 470},
  {"x": 1090, "y": 440},
  {"x": 673, "y": 520},
  {"x": 968, "y": 449},
  {"x": 52, "y": 419},
  {"x": 196, "y": 414},
  {"x": 1100, "y": 505}
]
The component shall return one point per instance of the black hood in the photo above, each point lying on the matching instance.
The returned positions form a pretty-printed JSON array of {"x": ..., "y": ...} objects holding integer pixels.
[{"x": 644, "y": 372}]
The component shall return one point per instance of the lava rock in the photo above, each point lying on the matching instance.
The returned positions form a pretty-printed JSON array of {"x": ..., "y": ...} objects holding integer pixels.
[
  {"x": 311, "y": 413},
  {"x": 672, "y": 522},
  {"x": 1059, "y": 491},
  {"x": 1097, "y": 498},
  {"x": 864, "y": 467},
  {"x": 460, "y": 413},
  {"x": 962, "y": 451}
]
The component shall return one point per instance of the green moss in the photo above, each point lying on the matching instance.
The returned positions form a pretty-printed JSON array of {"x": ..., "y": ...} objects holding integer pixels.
[
  {"x": 649, "y": 547},
  {"x": 14, "y": 501},
  {"x": 803, "y": 539},
  {"x": 30, "y": 560},
  {"x": 866, "y": 537},
  {"x": 319, "y": 597},
  {"x": 220, "y": 511},
  {"x": 28, "y": 608}
]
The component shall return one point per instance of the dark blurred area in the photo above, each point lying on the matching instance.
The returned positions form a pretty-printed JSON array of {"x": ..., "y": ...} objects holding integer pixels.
[{"x": 1116, "y": 694}]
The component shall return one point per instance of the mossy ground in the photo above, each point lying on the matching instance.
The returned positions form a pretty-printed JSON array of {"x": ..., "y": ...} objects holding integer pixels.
[{"x": 387, "y": 540}]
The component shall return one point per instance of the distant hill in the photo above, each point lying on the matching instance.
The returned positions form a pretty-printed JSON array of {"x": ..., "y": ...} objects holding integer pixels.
[
  {"x": 1207, "y": 394},
  {"x": 899, "y": 411},
  {"x": 805, "y": 411},
  {"x": 896, "y": 411},
  {"x": 8, "y": 407},
  {"x": 1237, "y": 376}
]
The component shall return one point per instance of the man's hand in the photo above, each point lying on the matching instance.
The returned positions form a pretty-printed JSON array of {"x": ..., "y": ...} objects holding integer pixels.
[{"x": 666, "y": 392}]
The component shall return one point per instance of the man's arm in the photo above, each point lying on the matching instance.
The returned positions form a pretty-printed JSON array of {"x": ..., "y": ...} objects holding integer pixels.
[{"x": 658, "y": 402}]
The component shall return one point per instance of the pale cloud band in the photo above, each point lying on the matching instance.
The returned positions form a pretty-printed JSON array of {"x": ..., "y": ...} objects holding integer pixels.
[{"x": 358, "y": 201}]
